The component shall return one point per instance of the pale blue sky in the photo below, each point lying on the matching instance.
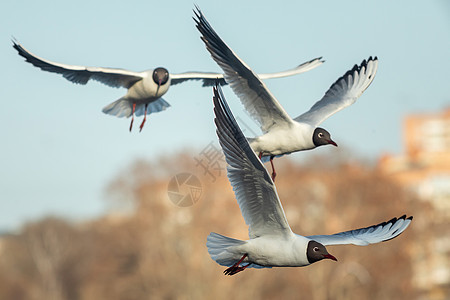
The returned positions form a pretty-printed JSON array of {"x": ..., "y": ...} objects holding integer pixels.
[{"x": 59, "y": 151}]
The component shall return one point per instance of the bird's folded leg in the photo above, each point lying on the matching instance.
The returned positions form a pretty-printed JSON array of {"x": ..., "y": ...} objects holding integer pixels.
[
  {"x": 132, "y": 116},
  {"x": 234, "y": 269},
  {"x": 145, "y": 117},
  {"x": 274, "y": 174}
]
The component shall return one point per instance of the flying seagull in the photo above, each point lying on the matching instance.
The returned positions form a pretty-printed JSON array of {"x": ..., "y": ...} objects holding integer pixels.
[
  {"x": 272, "y": 242},
  {"x": 281, "y": 133},
  {"x": 146, "y": 88}
]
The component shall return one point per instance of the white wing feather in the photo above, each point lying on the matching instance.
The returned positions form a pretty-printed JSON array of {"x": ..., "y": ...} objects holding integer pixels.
[
  {"x": 253, "y": 93},
  {"x": 254, "y": 189},
  {"x": 364, "y": 236},
  {"x": 304, "y": 67},
  {"x": 210, "y": 79},
  {"x": 80, "y": 74},
  {"x": 344, "y": 92}
]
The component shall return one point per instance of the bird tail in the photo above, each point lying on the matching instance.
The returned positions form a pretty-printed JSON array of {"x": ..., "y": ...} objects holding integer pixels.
[
  {"x": 119, "y": 108},
  {"x": 152, "y": 107},
  {"x": 219, "y": 248},
  {"x": 124, "y": 107}
]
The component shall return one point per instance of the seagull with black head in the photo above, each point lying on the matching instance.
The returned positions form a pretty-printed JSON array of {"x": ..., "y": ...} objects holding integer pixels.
[
  {"x": 282, "y": 134},
  {"x": 272, "y": 242},
  {"x": 145, "y": 89}
]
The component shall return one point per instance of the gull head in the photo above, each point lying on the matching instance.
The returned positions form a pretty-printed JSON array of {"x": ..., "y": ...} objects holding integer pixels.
[
  {"x": 322, "y": 137},
  {"x": 160, "y": 76},
  {"x": 316, "y": 251}
]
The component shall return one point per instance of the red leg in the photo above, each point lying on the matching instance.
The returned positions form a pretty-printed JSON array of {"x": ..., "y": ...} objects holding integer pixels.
[
  {"x": 274, "y": 174},
  {"x": 260, "y": 155},
  {"x": 145, "y": 117},
  {"x": 234, "y": 269},
  {"x": 132, "y": 116}
]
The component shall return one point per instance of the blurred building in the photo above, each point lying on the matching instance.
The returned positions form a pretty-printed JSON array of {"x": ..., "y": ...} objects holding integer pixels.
[{"x": 424, "y": 170}]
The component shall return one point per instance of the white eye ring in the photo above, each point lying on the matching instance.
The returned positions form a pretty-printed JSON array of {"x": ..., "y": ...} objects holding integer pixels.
[
  {"x": 320, "y": 134},
  {"x": 316, "y": 249}
]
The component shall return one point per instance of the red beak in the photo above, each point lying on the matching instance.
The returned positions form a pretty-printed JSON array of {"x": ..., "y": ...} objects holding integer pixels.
[
  {"x": 332, "y": 143},
  {"x": 329, "y": 256}
]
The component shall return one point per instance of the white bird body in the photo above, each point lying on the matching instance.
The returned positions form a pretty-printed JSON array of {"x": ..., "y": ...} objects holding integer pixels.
[
  {"x": 269, "y": 251},
  {"x": 146, "y": 88},
  {"x": 272, "y": 242},
  {"x": 282, "y": 140}
]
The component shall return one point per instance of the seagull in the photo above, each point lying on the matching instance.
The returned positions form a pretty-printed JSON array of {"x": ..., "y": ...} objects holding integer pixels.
[
  {"x": 272, "y": 242},
  {"x": 146, "y": 88},
  {"x": 282, "y": 134}
]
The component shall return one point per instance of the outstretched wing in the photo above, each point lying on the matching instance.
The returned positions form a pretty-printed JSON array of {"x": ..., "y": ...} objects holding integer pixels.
[
  {"x": 370, "y": 235},
  {"x": 254, "y": 189},
  {"x": 254, "y": 95},
  {"x": 304, "y": 67},
  {"x": 80, "y": 74},
  {"x": 344, "y": 92},
  {"x": 210, "y": 79}
]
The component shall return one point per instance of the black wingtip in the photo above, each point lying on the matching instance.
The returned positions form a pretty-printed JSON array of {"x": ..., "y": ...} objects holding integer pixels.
[
  {"x": 16, "y": 44},
  {"x": 312, "y": 60},
  {"x": 357, "y": 68},
  {"x": 393, "y": 221},
  {"x": 20, "y": 50},
  {"x": 374, "y": 59},
  {"x": 198, "y": 14}
]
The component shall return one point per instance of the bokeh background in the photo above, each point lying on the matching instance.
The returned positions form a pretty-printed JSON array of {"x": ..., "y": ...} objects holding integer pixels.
[{"x": 84, "y": 206}]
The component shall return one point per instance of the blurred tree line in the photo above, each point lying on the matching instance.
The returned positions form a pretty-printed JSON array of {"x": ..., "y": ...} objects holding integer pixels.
[{"x": 156, "y": 250}]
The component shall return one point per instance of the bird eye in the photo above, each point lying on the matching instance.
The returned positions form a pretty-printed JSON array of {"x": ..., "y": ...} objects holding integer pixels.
[
  {"x": 320, "y": 134},
  {"x": 315, "y": 249}
]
